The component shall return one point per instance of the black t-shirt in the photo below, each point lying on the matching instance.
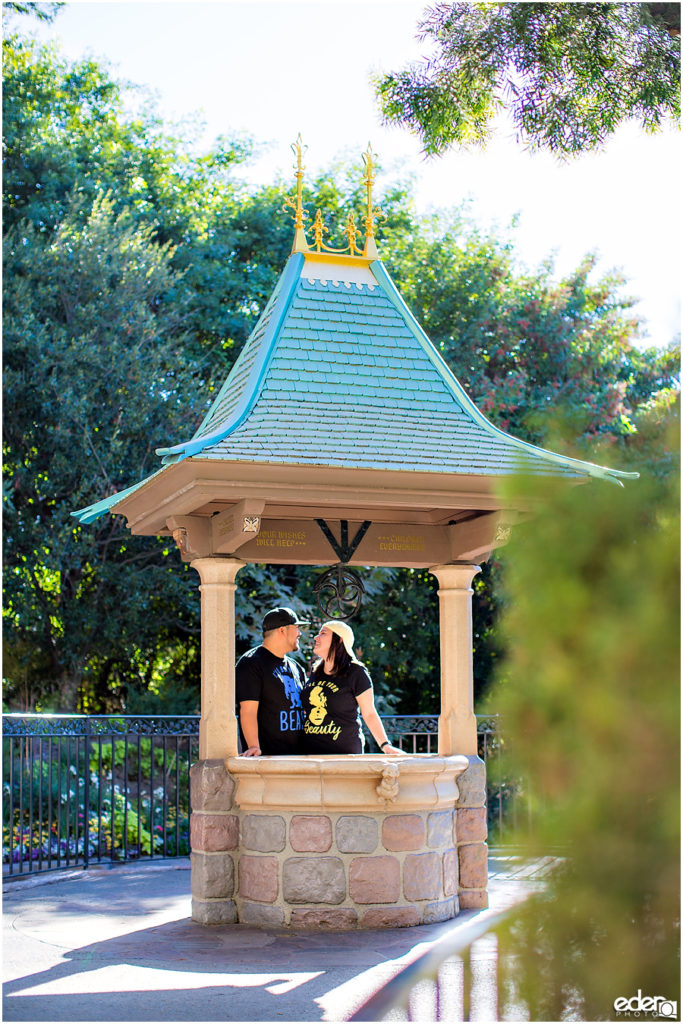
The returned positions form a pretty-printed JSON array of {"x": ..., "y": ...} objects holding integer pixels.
[
  {"x": 276, "y": 684},
  {"x": 332, "y": 721}
]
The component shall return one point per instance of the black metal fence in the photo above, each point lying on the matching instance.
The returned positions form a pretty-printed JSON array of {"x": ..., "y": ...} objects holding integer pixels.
[{"x": 83, "y": 789}]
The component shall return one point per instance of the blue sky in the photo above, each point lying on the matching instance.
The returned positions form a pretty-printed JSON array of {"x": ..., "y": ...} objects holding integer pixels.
[{"x": 274, "y": 69}]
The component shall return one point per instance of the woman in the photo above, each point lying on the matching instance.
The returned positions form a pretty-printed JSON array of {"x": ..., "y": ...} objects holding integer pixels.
[{"x": 338, "y": 688}]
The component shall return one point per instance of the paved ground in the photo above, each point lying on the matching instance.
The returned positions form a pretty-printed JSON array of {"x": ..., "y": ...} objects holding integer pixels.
[{"x": 118, "y": 944}]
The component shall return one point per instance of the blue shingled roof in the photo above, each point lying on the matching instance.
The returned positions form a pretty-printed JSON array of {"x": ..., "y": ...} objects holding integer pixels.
[{"x": 341, "y": 374}]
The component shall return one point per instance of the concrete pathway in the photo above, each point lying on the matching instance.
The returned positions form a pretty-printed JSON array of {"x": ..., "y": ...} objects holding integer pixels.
[{"x": 118, "y": 944}]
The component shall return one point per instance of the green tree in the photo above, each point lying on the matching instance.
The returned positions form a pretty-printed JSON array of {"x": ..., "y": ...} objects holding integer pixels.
[
  {"x": 528, "y": 349},
  {"x": 567, "y": 73},
  {"x": 93, "y": 382},
  {"x": 589, "y": 694}
]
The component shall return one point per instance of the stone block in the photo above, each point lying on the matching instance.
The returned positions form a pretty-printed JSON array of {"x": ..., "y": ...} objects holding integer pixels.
[
  {"x": 390, "y": 917},
  {"x": 375, "y": 880},
  {"x": 214, "y": 911},
  {"x": 212, "y": 875},
  {"x": 313, "y": 880},
  {"x": 450, "y": 873},
  {"x": 338, "y": 919},
  {"x": 440, "y": 830},
  {"x": 356, "y": 833},
  {"x": 258, "y": 878},
  {"x": 310, "y": 833},
  {"x": 213, "y": 833},
  {"x": 473, "y": 899},
  {"x": 265, "y": 833},
  {"x": 473, "y": 866},
  {"x": 472, "y": 784},
  {"x": 422, "y": 876},
  {"x": 261, "y": 914},
  {"x": 470, "y": 825},
  {"x": 212, "y": 788},
  {"x": 403, "y": 832},
  {"x": 443, "y": 910}
]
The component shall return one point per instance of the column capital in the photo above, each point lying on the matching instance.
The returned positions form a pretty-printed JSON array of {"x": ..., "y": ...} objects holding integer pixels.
[
  {"x": 217, "y": 570},
  {"x": 455, "y": 575}
]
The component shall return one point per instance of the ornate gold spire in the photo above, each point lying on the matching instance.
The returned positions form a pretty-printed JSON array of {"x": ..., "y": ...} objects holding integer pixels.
[
  {"x": 372, "y": 213},
  {"x": 295, "y": 203}
]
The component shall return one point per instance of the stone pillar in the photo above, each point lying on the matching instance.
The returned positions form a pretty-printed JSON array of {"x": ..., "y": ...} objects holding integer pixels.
[
  {"x": 470, "y": 832},
  {"x": 218, "y": 725},
  {"x": 214, "y": 838},
  {"x": 457, "y": 723}
]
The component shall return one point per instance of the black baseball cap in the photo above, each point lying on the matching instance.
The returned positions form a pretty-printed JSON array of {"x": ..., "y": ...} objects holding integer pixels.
[{"x": 281, "y": 617}]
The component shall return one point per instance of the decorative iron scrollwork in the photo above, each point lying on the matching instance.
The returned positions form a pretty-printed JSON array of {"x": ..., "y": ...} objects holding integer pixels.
[{"x": 340, "y": 592}]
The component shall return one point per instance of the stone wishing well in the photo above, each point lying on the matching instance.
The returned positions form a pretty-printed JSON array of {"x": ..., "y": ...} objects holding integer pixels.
[{"x": 338, "y": 420}]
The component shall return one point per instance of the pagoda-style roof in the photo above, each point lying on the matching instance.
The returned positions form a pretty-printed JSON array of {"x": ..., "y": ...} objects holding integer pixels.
[
  {"x": 339, "y": 373},
  {"x": 338, "y": 392}
]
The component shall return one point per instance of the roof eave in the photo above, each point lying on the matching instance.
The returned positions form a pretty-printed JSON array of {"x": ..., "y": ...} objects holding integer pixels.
[{"x": 183, "y": 488}]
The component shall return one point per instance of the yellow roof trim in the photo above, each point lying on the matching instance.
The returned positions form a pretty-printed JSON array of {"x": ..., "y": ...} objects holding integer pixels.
[{"x": 338, "y": 257}]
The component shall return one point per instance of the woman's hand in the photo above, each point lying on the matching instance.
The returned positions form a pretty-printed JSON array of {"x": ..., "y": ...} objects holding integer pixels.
[
  {"x": 389, "y": 749},
  {"x": 251, "y": 752}
]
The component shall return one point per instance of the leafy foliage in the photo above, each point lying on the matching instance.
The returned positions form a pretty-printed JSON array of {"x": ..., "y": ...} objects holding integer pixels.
[
  {"x": 93, "y": 376},
  {"x": 568, "y": 73},
  {"x": 530, "y": 350},
  {"x": 589, "y": 697}
]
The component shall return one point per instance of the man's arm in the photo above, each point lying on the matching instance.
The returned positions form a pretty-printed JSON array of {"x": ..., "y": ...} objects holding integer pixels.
[{"x": 249, "y": 725}]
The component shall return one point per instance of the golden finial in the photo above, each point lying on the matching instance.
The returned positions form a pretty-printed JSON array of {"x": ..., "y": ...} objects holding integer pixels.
[
  {"x": 351, "y": 233},
  {"x": 296, "y": 203},
  {"x": 318, "y": 230},
  {"x": 371, "y": 212}
]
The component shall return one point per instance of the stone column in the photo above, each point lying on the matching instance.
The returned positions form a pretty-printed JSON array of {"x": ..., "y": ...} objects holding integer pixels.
[
  {"x": 457, "y": 723},
  {"x": 218, "y": 725}
]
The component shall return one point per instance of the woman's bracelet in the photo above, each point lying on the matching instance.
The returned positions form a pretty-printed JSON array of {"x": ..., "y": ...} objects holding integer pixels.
[{"x": 387, "y": 743}]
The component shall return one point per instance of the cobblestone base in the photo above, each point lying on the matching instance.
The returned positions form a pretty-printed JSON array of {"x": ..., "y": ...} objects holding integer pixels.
[{"x": 336, "y": 871}]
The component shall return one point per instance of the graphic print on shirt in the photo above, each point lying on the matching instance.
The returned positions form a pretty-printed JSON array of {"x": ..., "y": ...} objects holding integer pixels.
[
  {"x": 291, "y": 719},
  {"x": 315, "y": 723},
  {"x": 318, "y": 705}
]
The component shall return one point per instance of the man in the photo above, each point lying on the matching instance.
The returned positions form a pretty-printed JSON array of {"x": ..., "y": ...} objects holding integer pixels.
[{"x": 268, "y": 687}]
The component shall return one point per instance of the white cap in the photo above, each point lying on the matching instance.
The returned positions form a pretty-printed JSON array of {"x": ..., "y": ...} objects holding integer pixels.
[{"x": 344, "y": 631}]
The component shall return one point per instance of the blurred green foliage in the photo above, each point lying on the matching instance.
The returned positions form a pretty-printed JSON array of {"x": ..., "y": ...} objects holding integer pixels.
[{"x": 589, "y": 700}]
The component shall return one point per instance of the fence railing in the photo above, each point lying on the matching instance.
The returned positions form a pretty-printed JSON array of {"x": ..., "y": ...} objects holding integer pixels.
[
  {"x": 447, "y": 982},
  {"x": 83, "y": 789}
]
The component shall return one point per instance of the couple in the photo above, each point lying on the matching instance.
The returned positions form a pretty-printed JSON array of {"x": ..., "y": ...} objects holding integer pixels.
[{"x": 281, "y": 712}]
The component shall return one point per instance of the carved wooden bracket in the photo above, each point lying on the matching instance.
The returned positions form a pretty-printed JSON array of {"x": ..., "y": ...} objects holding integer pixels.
[
  {"x": 474, "y": 539},
  {"x": 237, "y": 525},
  {"x": 191, "y": 535}
]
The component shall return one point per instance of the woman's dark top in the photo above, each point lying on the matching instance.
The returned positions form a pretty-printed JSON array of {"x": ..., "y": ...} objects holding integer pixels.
[{"x": 332, "y": 721}]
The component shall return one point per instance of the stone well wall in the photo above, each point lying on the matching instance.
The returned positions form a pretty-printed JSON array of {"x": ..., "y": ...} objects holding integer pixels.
[{"x": 365, "y": 857}]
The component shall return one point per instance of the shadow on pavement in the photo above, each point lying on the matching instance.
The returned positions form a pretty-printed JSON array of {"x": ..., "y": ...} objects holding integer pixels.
[{"x": 122, "y": 947}]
